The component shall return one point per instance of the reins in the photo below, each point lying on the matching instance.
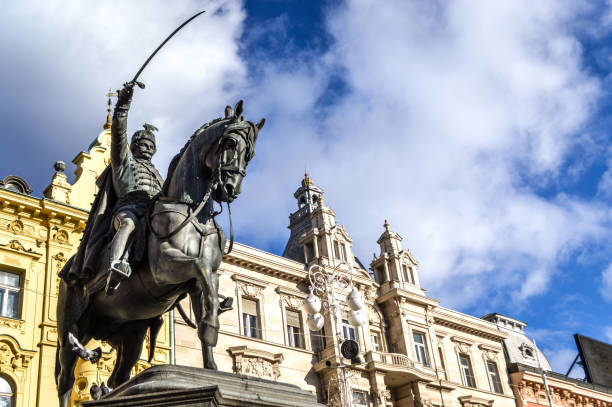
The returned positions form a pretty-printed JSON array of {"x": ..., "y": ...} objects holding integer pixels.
[{"x": 191, "y": 217}]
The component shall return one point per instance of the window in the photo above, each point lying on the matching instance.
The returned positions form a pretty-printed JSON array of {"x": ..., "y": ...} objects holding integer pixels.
[
  {"x": 348, "y": 331},
  {"x": 250, "y": 318},
  {"x": 419, "y": 348},
  {"x": 375, "y": 341},
  {"x": 317, "y": 339},
  {"x": 6, "y": 393},
  {"x": 339, "y": 251},
  {"x": 294, "y": 329},
  {"x": 10, "y": 287},
  {"x": 466, "y": 370},
  {"x": 360, "y": 398},
  {"x": 494, "y": 376},
  {"x": 407, "y": 274},
  {"x": 380, "y": 274}
]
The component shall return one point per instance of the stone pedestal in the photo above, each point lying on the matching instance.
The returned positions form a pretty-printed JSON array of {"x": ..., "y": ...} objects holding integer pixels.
[{"x": 172, "y": 385}]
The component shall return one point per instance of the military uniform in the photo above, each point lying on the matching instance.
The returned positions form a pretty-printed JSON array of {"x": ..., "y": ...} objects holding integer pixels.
[{"x": 135, "y": 181}]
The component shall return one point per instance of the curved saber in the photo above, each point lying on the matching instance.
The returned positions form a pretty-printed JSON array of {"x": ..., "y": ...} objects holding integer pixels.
[{"x": 161, "y": 45}]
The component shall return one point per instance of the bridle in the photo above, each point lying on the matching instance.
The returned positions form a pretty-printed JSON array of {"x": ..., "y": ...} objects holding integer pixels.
[{"x": 223, "y": 166}]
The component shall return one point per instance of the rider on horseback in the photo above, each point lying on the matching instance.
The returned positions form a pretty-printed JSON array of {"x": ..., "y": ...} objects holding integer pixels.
[{"x": 135, "y": 182}]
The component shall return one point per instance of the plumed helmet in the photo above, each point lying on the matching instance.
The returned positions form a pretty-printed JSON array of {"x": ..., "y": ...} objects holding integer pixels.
[{"x": 147, "y": 133}]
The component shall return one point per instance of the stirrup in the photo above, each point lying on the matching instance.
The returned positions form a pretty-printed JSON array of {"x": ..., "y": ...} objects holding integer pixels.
[{"x": 118, "y": 271}]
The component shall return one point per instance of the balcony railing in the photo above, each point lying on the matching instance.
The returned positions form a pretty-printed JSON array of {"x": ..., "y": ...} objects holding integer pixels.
[{"x": 395, "y": 359}]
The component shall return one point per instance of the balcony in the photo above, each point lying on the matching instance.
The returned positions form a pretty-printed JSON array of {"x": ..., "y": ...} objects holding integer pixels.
[{"x": 399, "y": 368}]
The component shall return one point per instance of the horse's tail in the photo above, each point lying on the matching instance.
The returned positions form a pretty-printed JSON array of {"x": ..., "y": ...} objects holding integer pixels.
[
  {"x": 184, "y": 315},
  {"x": 155, "y": 325}
]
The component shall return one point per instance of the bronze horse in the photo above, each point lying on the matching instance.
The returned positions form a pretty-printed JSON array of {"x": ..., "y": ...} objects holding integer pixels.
[{"x": 185, "y": 248}]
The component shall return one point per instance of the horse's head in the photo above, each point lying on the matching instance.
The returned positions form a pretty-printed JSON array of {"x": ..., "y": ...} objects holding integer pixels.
[{"x": 230, "y": 154}]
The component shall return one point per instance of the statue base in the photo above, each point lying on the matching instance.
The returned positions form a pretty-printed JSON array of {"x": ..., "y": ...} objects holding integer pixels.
[{"x": 172, "y": 385}]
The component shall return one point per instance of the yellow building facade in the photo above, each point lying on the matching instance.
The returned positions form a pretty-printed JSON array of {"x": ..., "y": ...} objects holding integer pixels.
[{"x": 37, "y": 237}]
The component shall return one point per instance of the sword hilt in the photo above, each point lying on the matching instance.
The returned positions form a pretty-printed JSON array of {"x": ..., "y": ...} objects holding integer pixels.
[{"x": 140, "y": 84}]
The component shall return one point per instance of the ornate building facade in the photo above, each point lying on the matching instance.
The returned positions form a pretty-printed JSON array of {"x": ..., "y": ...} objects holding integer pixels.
[
  {"x": 413, "y": 351},
  {"x": 37, "y": 237}
]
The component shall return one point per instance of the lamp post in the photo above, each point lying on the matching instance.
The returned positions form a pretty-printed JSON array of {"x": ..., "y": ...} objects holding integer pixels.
[{"x": 328, "y": 284}]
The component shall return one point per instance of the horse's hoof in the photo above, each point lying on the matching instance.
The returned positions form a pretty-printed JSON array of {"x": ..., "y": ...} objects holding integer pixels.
[{"x": 226, "y": 305}]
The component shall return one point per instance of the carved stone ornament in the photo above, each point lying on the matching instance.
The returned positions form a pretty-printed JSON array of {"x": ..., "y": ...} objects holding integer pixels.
[
  {"x": 106, "y": 363},
  {"x": 16, "y": 227},
  {"x": 382, "y": 395},
  {"x": 14, "y": 361},
  {"x": 16, "y": 245},
  {"x": 370, "y": 294},
  {"x": 373, "y": 315},
  {"x": 527, "y": 392},
  {"x": 250, "y": 290},
  {"x": 292, "y": 302},
  {"x": 256, "y": 363},
  {"x": 463, "y": 345},
  {"x": 60, "y": 260},
  {"x": 12, "y": 323},
  {"x": 62, "y": 236},
  {"x": 141, "y": 366},
  {"x": 489, "y": 355}
]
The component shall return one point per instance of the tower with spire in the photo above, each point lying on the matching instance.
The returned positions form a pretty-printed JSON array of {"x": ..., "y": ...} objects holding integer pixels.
[
  {"x": 309, "y": 197},
  {"x": 315, "y": 237},
  {"x": 394, "y": 265}
]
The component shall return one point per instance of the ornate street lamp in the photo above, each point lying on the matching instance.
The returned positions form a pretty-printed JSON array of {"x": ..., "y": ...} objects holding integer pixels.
[{"x": 325, "y": 288}]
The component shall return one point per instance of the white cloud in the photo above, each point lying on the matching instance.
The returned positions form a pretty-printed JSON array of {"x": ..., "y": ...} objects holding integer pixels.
[
  {"x": 606, "y": 287},
  {"x": 456, "y": 113},
  {"x": 59, "y": 60}
]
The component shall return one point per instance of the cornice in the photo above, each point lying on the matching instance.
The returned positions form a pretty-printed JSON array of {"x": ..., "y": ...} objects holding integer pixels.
[
  {"x": 408, "y": 296},
  {"x": 467, "y": 323},
  {"x": 43, "y": 206},
  {"x": 267, "y": 263}
]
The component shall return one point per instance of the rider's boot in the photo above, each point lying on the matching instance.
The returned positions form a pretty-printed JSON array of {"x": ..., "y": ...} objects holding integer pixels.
[{"x": 119, "y": 271}]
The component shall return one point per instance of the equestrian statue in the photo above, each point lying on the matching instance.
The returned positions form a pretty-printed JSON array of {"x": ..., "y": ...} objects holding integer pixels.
[{"x": 147, "y": 245}]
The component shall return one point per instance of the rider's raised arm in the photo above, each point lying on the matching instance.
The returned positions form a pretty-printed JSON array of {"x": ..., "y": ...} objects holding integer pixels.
[{"x": 120, "y": 149}]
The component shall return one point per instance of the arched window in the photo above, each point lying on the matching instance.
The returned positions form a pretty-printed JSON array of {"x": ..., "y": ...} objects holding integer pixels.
[{"x": 7, "y": 398}]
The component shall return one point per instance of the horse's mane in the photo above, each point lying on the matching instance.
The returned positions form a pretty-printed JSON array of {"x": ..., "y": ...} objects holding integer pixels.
[{"x": 175, "y": 160}]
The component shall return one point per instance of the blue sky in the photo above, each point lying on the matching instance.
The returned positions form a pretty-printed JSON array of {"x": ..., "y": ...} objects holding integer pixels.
[{"x": 481, "y": 130}]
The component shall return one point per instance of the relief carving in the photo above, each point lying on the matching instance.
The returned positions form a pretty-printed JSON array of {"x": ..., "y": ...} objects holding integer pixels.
[
  {"x": 140, "y": 366},
  {"x": 249, "y": 290},
  {"x": 16, "y": 227},
  {"x": 14, "y": 360},
  {"x": 255, "y": 362},
  {"x": 373, "y": 315},
  {"x": 60, "y": 260},
  {"x": 12, "y": 323},
  {"x": 18, "y": 246},
  {"x": 62, "y": 236},
  {"x": 292, "y": 302}
]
